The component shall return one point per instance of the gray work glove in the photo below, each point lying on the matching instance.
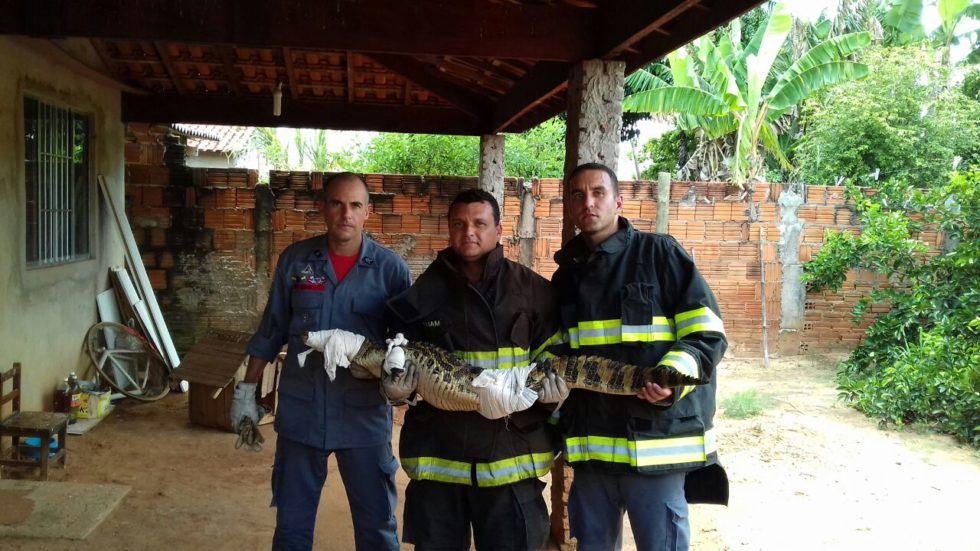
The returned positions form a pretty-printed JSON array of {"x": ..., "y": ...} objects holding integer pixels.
[
  {"x": 398, "y": 388},
  {"x": 554, "y": 390},
  {"x": 244, "y": 405}
]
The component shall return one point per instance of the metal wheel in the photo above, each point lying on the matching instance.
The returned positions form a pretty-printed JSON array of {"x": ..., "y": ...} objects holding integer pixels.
[{"x": 127, "y": 362}]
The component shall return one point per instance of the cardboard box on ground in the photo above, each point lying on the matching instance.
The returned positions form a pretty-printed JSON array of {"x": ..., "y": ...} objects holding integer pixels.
[{"x": 213, "y": 367}]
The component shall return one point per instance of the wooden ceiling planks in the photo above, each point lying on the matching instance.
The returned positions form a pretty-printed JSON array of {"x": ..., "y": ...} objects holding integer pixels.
[{"x": 482, "y": 66}]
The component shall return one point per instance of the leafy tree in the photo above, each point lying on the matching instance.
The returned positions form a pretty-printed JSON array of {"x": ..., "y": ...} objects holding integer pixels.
[
  {"x": 664, "y": 153},
  {"x": 726, "y": 89},
  {"x": 901, "y": 123},
  {"x": 269, "y": 146},
  {"x": 902, "y": 22},
  {"x": 920, "y": 360},
  {"x": 539, "y": 152}
]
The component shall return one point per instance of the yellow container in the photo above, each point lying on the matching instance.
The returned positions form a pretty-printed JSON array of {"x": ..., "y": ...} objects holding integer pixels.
[{"x": 93, "y": 405}]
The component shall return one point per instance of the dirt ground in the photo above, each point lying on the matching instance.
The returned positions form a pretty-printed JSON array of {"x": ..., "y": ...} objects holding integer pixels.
[{"x": 805, "y": 474}]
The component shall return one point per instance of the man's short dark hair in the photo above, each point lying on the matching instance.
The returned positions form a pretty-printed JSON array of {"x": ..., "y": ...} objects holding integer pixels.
[
  {"x": 596, "y": 166},
  {"x": 474, "y": 195},
  {"x": 338, "y": 177}
]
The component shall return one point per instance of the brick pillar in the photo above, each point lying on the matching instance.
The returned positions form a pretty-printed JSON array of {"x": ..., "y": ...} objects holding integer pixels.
[
  {"x": 492, "y": 166},
  {"x": 595, "y": 118}
]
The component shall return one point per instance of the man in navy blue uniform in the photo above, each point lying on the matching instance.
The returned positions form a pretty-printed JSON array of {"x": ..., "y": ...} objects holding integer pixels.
[{"x": 340, "y": 280}]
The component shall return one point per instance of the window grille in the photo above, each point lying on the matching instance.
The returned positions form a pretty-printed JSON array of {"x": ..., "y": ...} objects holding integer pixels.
[{"x": 57, "y": 150}]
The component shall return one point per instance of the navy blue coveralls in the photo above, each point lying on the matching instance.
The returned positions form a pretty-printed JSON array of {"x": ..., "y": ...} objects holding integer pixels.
[{"x": 316, "y": 416}]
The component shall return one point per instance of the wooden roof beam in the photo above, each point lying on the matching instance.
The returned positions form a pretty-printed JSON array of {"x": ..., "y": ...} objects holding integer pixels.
[
  {"x": 201, "y": 109},
  {"x": 228, "y": 65},
  {"x": 684, "y": 28},
  {"x": 540, "y": 83},
  {"x": 427, "y": 77},
  {"x": 481, "y": 29}
]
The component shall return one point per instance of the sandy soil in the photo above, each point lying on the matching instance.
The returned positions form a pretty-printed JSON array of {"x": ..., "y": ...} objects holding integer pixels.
[{"x": 806, "y": 474}]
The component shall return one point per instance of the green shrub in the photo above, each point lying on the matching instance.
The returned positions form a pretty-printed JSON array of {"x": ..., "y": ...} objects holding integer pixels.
[
  {"x": 919, "y": 361},
  {"x": 745, "y": 404}
]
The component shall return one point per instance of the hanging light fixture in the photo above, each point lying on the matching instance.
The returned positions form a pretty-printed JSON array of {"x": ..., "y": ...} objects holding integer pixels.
[{"x": 277, "y": 100}]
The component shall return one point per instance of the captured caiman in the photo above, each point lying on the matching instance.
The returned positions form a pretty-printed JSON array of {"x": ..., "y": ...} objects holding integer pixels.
[{"x": 444, "y": 380}]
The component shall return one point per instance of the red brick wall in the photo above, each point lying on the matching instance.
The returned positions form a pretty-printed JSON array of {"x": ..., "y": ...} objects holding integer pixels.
[{"x": 196, "y": 229}]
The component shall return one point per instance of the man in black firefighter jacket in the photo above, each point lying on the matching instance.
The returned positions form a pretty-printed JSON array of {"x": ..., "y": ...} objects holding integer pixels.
[
  {"x": 638, "y": 298},
  {"x": 468, "y": 471}
]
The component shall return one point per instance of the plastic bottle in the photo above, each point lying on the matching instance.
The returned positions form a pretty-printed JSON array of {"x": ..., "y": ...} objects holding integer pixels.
[
  {"x": 74, "y": 397},
  {"x": 61, "y": 397}
]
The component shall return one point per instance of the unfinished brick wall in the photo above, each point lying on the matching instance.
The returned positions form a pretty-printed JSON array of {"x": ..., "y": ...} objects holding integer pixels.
[{"x": 197, "y": 231}]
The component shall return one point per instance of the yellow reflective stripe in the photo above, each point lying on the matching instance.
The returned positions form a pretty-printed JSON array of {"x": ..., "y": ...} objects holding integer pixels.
[
  {"x": 598, "y": 324},
  {"x": 598, "y": 448},
  {"x": 502, "y": 358},
  {"x": 698, "y": 321},
  {"x": 495, "y": 473},
  {"x": 599, "y": 332},
  {"x": 573, "y": 337},
  {"x": 685, "y": 390},
  {"x": 557, "y": 338},
  {"x": 434, "y": 468},
  {"x": 506, "y": 471},
  {"x": 682, "y": 361},
  {"x": 671, "y": 450},
  {"x": 659, "y": 329}
]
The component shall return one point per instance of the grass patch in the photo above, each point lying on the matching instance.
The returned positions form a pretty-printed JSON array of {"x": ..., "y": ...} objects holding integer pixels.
[{"x": 745, "y": 404}]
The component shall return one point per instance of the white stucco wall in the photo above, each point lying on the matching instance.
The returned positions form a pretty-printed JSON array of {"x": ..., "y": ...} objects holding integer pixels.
[{"x": 45, "y": 312}]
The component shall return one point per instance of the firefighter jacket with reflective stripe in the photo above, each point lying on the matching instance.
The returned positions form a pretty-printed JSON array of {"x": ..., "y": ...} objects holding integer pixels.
[
  {"x": 638, "y": 298},
  {"x": 505, "y": 320}
]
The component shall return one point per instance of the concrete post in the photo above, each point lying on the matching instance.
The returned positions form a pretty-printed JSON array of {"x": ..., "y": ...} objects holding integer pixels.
[
  {"x": 525, "y": 224},
  {"x": 663, "y": 201},
  {"x": 491, "y": 177},
  {"x": 793, "y": 294},
  {"x": 595, "y": 117}
]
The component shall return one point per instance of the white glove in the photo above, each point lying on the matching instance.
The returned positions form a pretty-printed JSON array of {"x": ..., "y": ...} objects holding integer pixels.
[
  {"x": 554, "y": 390},
  {"x": 244, "y": 405},
  {"x": 395, "y": 357},
  {"x": 504, "y": 391},
  {"x": 398, "y": 387},
  {"x": 338, "y": 347}
]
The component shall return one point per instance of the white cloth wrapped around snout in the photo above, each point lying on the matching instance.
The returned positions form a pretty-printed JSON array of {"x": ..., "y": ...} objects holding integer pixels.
[
  {"x": 338, "y": 347},
  {"x": 504, "y": 391}
]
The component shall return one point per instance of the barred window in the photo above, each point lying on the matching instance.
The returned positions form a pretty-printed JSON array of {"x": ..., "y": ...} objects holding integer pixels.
[{"x": 56, "y": 147}]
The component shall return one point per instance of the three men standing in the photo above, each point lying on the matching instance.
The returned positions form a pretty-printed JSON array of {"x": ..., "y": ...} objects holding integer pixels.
[{"x": 626, "y": 295}]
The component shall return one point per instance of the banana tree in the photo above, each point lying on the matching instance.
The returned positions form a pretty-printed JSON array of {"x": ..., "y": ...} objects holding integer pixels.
[{"x": 727, "y": 90}]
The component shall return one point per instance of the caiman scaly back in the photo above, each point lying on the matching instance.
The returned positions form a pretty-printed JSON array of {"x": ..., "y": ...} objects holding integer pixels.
[{"x": 445, "y": 380}]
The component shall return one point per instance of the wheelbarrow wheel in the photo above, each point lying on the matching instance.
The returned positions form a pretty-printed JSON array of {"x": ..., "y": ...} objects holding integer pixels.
[{"x": 127, "y": 362}]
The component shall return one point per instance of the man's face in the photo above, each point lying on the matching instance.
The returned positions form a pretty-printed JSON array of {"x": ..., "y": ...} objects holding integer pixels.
[
  {"x": 594, "y": 205},
  {"x": 344, "y": 208},
  {"x": 472, "y": 230}
]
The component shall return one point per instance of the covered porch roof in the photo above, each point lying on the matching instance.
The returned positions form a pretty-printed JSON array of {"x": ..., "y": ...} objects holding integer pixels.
[{"x": 468, "y": 67}]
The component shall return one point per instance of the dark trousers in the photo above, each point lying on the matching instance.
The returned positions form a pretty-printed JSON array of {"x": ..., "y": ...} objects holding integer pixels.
[
  {"x": 656, "y": 506},
  {"x": 369, "y": 479},
  {"x": 439, "y": 516}
]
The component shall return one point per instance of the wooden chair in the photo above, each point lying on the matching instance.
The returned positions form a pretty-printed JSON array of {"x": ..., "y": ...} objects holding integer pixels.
[{"x": 22, "y": 424}]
